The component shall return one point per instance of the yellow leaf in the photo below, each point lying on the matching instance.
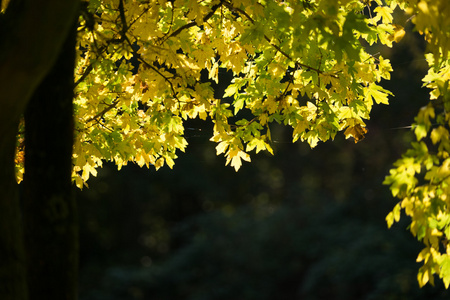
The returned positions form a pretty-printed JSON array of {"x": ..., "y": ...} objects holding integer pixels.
[
  {"x": 235, "y": 156},
  {"x": 446, "y": 282},
  {"x": 377, "y": 93},
  {"x": 399, "y": 33},
  {"x": 345, "y": 113},
  {"x": 79, "y": 182},
  {"x": 423, "y": 6},
  {"x": 357, "y": 132},
  {"x": 269, "y": 148},
  {"x": 424, "y": 254},
  {"x": 299, "y": 129},
  {"x": 423, "y": 277},
  {"x": 384, "y": 13},
  {"x": 390, "y": 219},
  {"x": 236, "y": 162},
  {"x": 221, "y": 147},
  {"x": 86, "y": 170},
  {"x": 258, "y": 143},
  {"x": 169, "y": 161},
  {"x": 159, "y": 163},
  {"x": 394, "y": 215},
  {"x": 270, "y": 104},
  {"x": 230, "y": 91},
  {"x": 214, "y": 73}
]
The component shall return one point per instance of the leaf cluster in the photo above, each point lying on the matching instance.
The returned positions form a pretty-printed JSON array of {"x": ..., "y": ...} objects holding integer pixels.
[
  {"x": 421, "y": 177},
  {"x": 300, "y": 63}
]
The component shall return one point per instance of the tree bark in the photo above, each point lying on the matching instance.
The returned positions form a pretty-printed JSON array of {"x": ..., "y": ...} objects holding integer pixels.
[
  {"x": 31, "y": 34},
  {"x": 12, "y": 262},
  {"x": 50, "y": 217}
]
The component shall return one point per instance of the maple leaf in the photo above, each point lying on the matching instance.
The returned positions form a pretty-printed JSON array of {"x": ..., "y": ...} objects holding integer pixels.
[
  {"x": 384, "y": 13},
  {"x": 234, "y": 156},
  {"x": 357, "y": 132}
]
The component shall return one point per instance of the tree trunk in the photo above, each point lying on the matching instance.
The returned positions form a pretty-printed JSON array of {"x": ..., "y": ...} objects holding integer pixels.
[
  {"x": 31, "y": 34},
  {"x": 12, "y": 263},
  {"x": 50, "y": 216}
]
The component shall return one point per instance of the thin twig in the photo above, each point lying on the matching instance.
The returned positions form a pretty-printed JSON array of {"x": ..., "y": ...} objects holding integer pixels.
[
  {"x": 193, "y": 23},
  {"x": 104, "y": 111},
  {"x": 85, "y": 74}
]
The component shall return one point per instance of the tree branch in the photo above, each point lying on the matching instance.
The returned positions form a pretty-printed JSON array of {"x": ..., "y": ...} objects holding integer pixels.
[
  {"x": 104, "y": 111},
  {"x": 83, "y": 77}
]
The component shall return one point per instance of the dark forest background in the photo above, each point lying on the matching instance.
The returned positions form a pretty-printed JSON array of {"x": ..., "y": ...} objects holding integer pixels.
[{"x": 302, "y": 224}]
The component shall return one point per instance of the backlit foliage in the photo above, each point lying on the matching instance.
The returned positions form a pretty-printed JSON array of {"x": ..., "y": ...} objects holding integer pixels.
[
  {"x": 421, "y": 177},
  {"x": 144, "y": 67}
]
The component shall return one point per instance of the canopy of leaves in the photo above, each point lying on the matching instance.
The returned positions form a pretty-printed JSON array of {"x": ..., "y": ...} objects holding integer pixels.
[{"x": 142, "y": 69}]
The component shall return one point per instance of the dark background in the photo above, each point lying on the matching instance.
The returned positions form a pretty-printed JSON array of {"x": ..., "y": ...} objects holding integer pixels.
[{"x": 302, "y": 224}]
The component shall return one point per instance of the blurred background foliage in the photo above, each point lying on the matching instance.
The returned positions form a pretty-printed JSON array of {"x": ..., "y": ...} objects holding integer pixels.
[{"x": 303, "y": 224}]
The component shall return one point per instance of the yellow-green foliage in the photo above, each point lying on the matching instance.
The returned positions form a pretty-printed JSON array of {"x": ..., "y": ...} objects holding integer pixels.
[
  {"x": 421, "y": 177},
  {"x": 300, "y": 63}
]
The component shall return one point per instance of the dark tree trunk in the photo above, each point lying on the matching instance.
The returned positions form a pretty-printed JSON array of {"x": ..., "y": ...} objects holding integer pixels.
[
  {"x": 50, "y": 215},
  {"x": 12, "y": 263},
  {"x": 31, "y": 35}
]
